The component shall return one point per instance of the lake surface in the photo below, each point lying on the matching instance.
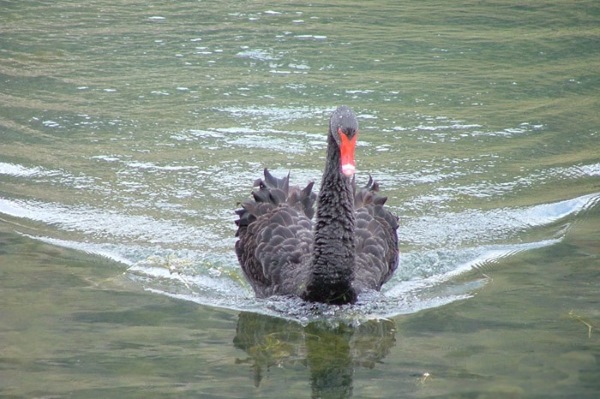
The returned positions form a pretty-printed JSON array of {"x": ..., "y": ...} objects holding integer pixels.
[{"x": 130, "y": 132}]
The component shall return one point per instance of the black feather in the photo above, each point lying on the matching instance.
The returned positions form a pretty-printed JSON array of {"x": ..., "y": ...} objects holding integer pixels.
[{"x": 352, "y": 247}]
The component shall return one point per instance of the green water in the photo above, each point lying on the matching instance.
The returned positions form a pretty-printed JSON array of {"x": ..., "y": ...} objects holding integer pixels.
[{"x": 130, "y": 131}]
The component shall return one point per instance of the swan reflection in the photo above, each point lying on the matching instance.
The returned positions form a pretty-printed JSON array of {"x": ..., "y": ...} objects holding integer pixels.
[{"x": 330, "y": 351}]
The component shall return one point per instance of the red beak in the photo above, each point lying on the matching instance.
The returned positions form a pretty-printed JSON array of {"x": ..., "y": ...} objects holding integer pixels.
[{"x": 347, "y": 147}]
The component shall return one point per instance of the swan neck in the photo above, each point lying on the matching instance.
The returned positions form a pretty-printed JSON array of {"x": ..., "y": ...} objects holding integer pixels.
[{"x": 333, "y": 250}]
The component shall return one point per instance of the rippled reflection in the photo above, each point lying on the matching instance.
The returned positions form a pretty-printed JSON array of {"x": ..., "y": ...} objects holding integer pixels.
[{"x": 330, "y": 351}]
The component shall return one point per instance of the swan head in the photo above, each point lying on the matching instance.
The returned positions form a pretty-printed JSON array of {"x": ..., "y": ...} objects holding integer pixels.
[{"x": 343, "y": 127}]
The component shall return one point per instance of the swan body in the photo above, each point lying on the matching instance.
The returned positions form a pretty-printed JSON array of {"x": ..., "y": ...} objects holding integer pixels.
[{"x": 350, "y": 247}]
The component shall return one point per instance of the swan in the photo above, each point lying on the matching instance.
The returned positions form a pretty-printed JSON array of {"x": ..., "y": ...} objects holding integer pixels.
[{"x": 351, "y": 246}]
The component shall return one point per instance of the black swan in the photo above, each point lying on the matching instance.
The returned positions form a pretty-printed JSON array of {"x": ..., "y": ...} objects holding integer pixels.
[{"x": 351, "y": 247}]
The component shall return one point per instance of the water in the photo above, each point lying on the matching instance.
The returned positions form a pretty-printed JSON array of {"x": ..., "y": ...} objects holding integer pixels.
[{"x": 129, "y": 132}]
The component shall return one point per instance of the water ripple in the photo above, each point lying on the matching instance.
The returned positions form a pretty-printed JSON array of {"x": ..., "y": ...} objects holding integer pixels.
[{"x": 164, "y": 256}]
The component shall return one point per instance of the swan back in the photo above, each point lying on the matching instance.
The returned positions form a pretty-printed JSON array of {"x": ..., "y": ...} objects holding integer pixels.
[{"x": 276, "y": 232}]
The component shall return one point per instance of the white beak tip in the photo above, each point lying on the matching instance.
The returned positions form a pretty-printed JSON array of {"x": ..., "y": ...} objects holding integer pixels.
[{"x": 348, "y": 169}]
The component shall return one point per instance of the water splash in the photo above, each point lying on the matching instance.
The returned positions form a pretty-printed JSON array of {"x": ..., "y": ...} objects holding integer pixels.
[{"x": 168, "y": 261}]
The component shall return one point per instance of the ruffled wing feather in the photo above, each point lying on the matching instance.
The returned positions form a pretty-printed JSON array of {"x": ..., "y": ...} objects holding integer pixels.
[
  {"x": 376, "y": 238},
  {"x": 275, "y": 236}
]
